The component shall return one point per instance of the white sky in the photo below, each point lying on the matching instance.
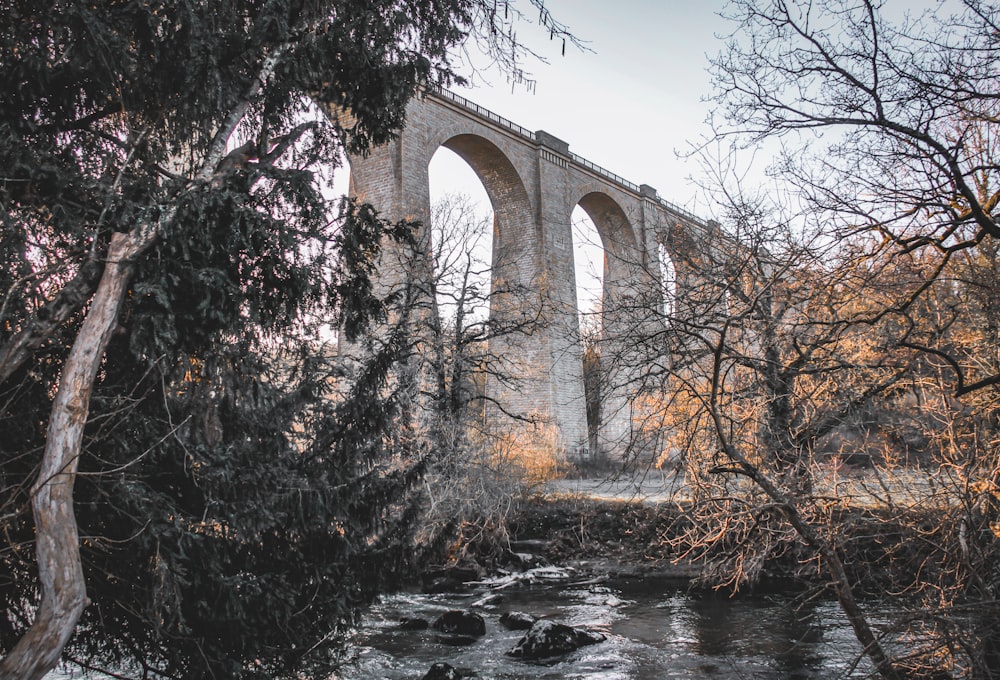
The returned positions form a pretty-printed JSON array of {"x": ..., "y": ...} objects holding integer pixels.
[{"x": 630, "y": 104}]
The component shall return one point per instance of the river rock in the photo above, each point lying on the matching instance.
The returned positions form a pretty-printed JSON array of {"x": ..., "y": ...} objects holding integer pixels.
[
  {"x": 524, "y": 560},
  {"x": 548, "y": 638},
  {"x": 458, "y": 622},
  {"x": 442, "y": 671},
  {"x": 517, "y": 620},
  {"x": 413, "y": 623}
]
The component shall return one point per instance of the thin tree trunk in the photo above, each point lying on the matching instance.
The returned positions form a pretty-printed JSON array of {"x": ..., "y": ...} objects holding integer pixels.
[
  {"x": 60, "y": 570},
  {"x": 872, "y": 648},
  {"x": 863, "y": 631}
]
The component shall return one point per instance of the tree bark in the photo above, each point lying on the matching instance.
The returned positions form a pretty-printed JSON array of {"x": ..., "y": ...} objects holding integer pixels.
[
  {"x": 60, "y": 569},
  {"x": 57, "y": 543}
]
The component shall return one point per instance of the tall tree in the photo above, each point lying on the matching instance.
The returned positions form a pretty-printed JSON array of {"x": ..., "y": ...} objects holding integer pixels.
[
  {"x": 470, "y": 424},
  {"x": 159, "y": 201},
  {"x": 463, "y": 333},
  {"x": 888, "y": 122}
]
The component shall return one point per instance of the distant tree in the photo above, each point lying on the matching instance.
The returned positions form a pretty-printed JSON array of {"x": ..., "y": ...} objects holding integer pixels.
[
  {"x": 460, "y": 325},
  {"x": 464, "y": 333},
  {"x": 162, "y": 234},
  {"x": 590, "y": 337}
]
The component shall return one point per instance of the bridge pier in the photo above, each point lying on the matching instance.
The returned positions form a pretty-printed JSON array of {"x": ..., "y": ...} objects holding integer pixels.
[{"x": 534, "y": 182}]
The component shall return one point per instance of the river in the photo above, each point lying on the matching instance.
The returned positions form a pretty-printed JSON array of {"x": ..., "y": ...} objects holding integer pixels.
[{"x": 656, "y": 629}]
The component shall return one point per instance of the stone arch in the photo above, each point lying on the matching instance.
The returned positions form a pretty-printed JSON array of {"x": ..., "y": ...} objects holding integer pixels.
[
  {"x": 519, "y": 368},
  {"x": 533, "y": 183},
  {"x": 687, "y": 249},
  {"x": 613, "y": 224},
  {"x": 624, "y": 261},
  {"x": 515, "y": 237},
  {"x": 623, "y": 265}
]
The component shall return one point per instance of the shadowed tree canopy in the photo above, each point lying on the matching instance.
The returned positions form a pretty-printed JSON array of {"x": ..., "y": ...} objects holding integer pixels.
[{"x": 165, "y": 256}]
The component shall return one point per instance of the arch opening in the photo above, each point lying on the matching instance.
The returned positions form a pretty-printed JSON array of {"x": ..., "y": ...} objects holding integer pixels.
[
  {"x": 481, "y": 233},
  {"x": 621, "y": 256},
  {"x": 461, "y": 222},
  {"x": 668, "y": 283},
  {"x": 606, "y": 241},
  {"x": 588, "y": 267}
]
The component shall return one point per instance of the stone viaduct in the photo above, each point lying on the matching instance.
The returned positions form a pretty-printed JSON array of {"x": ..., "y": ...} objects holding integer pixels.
[{"x": 534, "y": 183}]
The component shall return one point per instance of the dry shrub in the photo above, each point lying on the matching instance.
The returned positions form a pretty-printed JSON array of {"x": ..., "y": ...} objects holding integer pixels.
[
  {"x": 528, "y": 452},
  {"x": 483, "y": 479}
]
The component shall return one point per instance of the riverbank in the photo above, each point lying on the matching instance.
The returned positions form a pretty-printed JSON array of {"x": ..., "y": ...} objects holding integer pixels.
[
  {"x": 888, "y": 550},
  {"x": 626, "y": 538},
  {"x": 616, "y": 570}
]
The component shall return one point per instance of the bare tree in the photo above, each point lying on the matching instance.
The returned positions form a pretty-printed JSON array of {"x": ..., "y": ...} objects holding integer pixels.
[
  {"x": 910, "y": 107},
  {"x": 476, "y": 315},
  {"x": 775, "y": 373},
  {"x": 888, "y": 123},
  {"x": 486, "y": 451}
]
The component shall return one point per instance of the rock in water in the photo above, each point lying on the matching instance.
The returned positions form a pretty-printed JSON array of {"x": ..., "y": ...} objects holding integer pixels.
[
  {"x": 517, "y": 620},
  {"x": 548, "y": 638},
  {"x": 459, "y": 622},
  {"x": 456, "y": 640},
  {"x": 413, "y": 623},
  {"x": 442, "y": 671},
  {"x": 449, "y": 579}
]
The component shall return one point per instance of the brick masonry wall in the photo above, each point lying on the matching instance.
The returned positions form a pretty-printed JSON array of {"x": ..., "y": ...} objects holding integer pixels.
[{"x": 534, "y": 185}]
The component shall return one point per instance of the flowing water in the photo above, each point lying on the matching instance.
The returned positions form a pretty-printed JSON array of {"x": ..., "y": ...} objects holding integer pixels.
[{"x": 655, "y": 628}]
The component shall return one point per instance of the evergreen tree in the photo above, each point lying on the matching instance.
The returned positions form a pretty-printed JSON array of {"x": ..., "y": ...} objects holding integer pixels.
[{"x": 164, "y": 247}]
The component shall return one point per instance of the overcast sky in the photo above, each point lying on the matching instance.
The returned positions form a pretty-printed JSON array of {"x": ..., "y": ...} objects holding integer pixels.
[{"x": 631, "y": 103}]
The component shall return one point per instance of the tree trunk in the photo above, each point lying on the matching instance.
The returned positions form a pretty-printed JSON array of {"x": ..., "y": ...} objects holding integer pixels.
[
  {"x": 859, "y": 623},
  {"x": 57, "y": 542},
  {"x": 871, "y": 647},
  {"x": 60, "y": 570}
]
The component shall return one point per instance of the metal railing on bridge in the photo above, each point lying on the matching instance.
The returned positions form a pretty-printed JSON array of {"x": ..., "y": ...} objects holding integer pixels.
[
  {"x": 603, "y": 172},
  {"x": 485, "y": 113}
]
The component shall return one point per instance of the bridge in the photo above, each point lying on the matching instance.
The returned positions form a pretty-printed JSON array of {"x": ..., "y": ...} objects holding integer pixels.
[{"x": 534, "y": 182}]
